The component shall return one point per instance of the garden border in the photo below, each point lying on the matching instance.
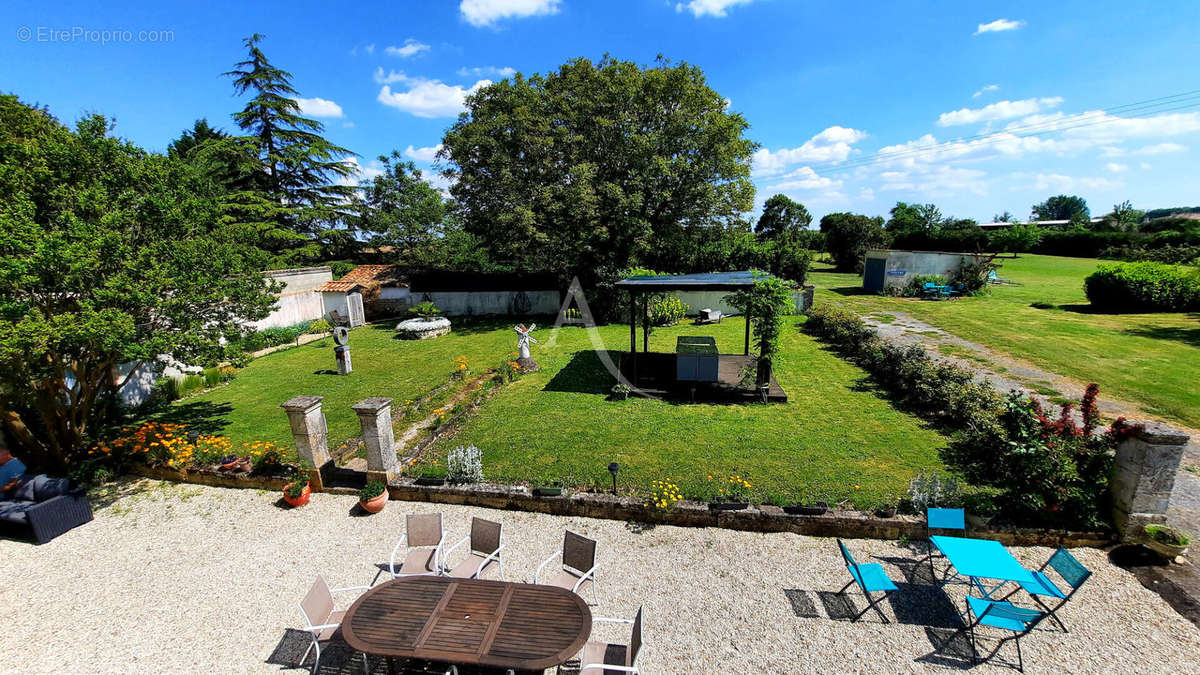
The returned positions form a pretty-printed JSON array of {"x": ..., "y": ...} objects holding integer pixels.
[{"x": 765, "y": 518}]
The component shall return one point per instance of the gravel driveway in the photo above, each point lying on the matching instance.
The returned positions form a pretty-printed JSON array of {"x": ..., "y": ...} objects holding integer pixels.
[{"x": 173, "y": 578}]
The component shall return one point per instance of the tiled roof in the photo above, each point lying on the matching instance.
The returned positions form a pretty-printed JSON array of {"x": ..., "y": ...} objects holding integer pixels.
[
  {"x": 340, "y": 286},
  {"x": 368, "y": 273}
]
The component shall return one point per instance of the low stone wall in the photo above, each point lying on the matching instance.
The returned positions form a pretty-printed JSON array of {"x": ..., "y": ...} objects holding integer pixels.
[{"x": 833, "y": 523}]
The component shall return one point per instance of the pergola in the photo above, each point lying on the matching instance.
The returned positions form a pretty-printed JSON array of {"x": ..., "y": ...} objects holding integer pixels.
[{"x": 640, "y": 287}]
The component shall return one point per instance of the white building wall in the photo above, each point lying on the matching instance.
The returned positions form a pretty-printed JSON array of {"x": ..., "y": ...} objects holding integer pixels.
[
  {"x": 474, "y": 303},
  {"x": 296, "y": 302},
  {"x": 900, "y": 266},
  {"x": 698, "y": 300}
]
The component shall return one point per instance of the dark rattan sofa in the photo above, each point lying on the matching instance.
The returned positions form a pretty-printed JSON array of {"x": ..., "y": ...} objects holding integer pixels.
[{"x": 42, "y": 508}]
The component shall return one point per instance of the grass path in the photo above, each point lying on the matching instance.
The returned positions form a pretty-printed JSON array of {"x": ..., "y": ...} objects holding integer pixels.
[{"x": 1152, "y": 360}]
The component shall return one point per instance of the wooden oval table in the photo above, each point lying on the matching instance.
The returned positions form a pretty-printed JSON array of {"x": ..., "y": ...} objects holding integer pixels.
[{"x": 469, "y": 621}]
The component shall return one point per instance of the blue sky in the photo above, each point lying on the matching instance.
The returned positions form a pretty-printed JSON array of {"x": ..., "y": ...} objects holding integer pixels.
[{"x": 856, "y": 105}]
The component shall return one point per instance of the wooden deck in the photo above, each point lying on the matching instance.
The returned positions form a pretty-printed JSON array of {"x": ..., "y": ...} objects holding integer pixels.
[{"x": 656, "y": 377}]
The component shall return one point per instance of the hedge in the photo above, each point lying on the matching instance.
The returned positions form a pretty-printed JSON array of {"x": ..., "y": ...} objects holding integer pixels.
[{"x": 1144, "y": 286}]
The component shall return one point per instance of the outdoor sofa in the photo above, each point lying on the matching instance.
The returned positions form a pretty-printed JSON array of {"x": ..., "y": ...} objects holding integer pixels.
[{"x": 41, "y": 508}]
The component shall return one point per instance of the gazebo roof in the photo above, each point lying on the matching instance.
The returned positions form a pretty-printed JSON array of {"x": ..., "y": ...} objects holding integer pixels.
[{"x": 708, "y": 281}]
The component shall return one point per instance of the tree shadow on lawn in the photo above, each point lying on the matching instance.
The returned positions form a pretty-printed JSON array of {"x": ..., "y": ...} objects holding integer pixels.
[
  {"x": 1188, "y": 336},
  {"x": 205, "y": 417},
  {"x": 471, "y": 325},
  {"x": 585, "y": 373},
  {"x": 852, "y": 290}
]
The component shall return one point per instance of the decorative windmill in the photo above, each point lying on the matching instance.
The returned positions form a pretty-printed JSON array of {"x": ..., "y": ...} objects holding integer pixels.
[{"x": 524, "y": 338}]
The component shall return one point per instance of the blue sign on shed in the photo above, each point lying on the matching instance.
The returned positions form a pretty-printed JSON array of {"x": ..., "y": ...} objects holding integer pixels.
[{"x": 897, "y": 273}]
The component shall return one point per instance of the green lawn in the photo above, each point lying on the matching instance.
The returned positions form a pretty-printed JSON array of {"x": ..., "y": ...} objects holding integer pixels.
[
  {"x": 1149, "y": 359},
  {"x": 834, "y": 439},
  {"x": 248, "y": 407}
]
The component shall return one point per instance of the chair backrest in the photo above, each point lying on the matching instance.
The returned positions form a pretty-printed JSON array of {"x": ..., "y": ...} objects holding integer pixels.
[
  {"x": 945, "y": 519},
  {"x": 424, "y": 529},
  {"x": 846, "y": 553},
  {"x": 635, "y": 640},
  {"x": 317, "y": 605},
  {"x": 1071, "y": 570},
  {"x": 485, "y": 535},
  {"x": 579, "y": 552}
]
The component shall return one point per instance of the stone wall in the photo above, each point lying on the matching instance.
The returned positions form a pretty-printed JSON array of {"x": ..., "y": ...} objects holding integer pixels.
[{"x": 1143, "y": 477}]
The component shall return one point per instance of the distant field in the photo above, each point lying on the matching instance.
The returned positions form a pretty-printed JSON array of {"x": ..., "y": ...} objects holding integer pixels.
[{"x": 1149, "y": 359}]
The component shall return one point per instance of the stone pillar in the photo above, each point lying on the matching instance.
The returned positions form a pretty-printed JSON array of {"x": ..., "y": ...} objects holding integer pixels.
[
  {"x": 342, "y": 352},
  {"x": 309, "y": 431},
  {"x": 375, "y": 416},
  {"x": 1144, "y": 475}
]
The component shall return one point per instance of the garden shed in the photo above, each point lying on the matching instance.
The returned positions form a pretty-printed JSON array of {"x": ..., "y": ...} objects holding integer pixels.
[{"x": 888, "y": 268}]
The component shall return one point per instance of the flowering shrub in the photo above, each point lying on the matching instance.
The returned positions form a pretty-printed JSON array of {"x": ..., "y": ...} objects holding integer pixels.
[
  {"x": 461, "y": 369},
  {"x": 1049, "y": 469},
  {"x": 664, "y": 495},
  {"x": 169, "y": 445},
  {"x": 509, "y": 369},
  {"x": 263, "y": 454},
  {"x": 464, "y": 465},
  {"x": 731, "y": 488}
]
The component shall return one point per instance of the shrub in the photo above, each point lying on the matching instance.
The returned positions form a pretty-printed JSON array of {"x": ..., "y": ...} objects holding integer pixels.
[
  {"x": 915, "y": 287},
  {"x": 321, "y": 325},
  {"x": 464, "y": 465},
  {"x": 1168, "y": 535},
  {"x": 425, "y": 310},
  {"x": 371, "y": 490},
  {"x": 931, "y": 490},
  {"x": 667, "y": 311},
  {"x": 1144, "y": 286},
  {"x": 972, "y": 277},
  {"x": 1049, "y": 470},
  {"x": 849, "y": 236}
]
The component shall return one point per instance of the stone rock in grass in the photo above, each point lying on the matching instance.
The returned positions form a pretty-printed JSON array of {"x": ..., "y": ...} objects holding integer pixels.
[{"x": 423, "y": 329}]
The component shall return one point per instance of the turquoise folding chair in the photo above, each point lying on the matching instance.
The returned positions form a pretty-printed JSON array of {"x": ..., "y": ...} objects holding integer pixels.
[
  {"x": 945, "y": 521},
  {"x": 870, "y": 578},
  {"x": 1070, "y": 570},
  {"x": 1004, "y": 616}
]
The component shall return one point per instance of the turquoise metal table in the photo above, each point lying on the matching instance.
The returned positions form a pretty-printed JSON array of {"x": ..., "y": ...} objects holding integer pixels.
[{"x": 980, "y": 559}]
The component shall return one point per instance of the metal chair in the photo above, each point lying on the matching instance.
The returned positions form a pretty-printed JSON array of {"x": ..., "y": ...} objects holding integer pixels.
[
  {"x": 1004, "y": 616},
  {"x": 578, "y": 566},
  {"x": 486, "y": 543},
  {"x": 1072, "y": 572},
  {"x": 945, "y": 521},
  {"x": 601, "y": 658},
  {"x": 870, "y": 579},
  {"x": 424, "y": 537},
  {"x": 322, "y": 619}
]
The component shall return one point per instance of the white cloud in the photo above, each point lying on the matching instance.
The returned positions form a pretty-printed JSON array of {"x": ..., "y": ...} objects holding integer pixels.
[
  {"x": 1000, "y": 110},
  {"x": 1144, "y": 166},
  {"x": 831, "y": 145},
  {"x": 1160, "y": 149},
  {"x": 390, "y": 76},
  {"x": 1114, "y": 167},
  {"x": 411, "y": 48},
  {"x": 1057, "y": 182},
  {"x": 423, "y": 154},
  {"x": 804, "y": 178},
  {"x": 488, "y": 12},
  {"x": 428, "y": 98},
  {"x": 319, "y": 107},
  {"x": 935, "y": 181},
  {"x": 998, "y": 25},
  {"x": 986, "y": 88},
  {"x": 486, "y": 71},
  {"x": 370, "y": 48},
  {"x": 360, "y": 171},
  {"x": 715, "y": 8}
]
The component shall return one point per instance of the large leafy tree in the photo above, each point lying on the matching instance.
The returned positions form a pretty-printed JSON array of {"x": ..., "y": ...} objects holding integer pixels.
[
  {"x": 597, "y": 166},
  {"x": 1062, "y": 207},
  {"x": 913, "y": 218},
  {"x": 301, "y": 167},
  {"x": 108, "y": 256},
  {"x": 848, "y": 236},
  {"x": 782, "y": 217},
  {"x": 400, "y": 210}
]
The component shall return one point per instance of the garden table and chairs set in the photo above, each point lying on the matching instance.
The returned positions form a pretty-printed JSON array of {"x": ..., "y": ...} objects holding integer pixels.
[
  {"x": 432, "y": 617},
  {"x": 987, "y": 568}
]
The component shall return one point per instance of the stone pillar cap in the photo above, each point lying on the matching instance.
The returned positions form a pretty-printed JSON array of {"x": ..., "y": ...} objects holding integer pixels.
[
  {"x": 371, "y": 405},
  {"x": 302, "y": 403},
  {"x": 1158, "y": 432}
]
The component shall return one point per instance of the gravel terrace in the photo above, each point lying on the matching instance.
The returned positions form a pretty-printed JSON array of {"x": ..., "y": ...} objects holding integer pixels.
[{"x": 180, "y": 578}]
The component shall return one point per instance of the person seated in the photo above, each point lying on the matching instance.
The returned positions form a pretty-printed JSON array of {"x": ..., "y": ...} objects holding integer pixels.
[{"x": 11, "y": 470}]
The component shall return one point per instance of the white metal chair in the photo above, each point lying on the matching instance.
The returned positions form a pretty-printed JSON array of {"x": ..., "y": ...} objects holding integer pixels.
[
  {"x": 424, "y": 538},
  {"x": 322, "y": 618},
  {"x": 601, "y": 658},
  {"x": 578, "y": 566},
  {"x": 486, "y": 543}
]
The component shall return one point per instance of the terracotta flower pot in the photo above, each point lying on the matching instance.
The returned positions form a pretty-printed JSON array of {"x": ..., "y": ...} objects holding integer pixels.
[
  {"x": 374, "y": 504},
  {"x": 297, "y": 501}
]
